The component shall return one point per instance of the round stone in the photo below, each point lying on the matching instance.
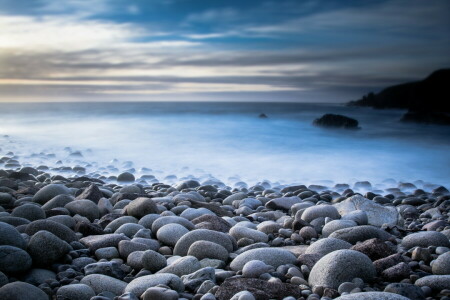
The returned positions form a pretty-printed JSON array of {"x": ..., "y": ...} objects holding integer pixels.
[
  {"x": 170, "y": 234},
  {"x": 255, "y": 268},
  {"x": 13, "y": 260},
  {"x": 206, "y": 249},
  {"x": 126, "y": 177},
  {"x": 10, "y": 236},
  {"x": 153, "y": 261},
  {"x": 182, "y": 266},
  {"x": 139, "y": 285},
  {"x": 85, "y": 208},
  {"x": 30, "y": 212},
  {"x": 360, "y": 234},
  {"x": 50, "y": 191},
  {"x": 359, "y": 216},
  {"x": 60, "y": 230},
  {"x": 140, "y": 207},
  {"x": 75, "y": 292},
  {"x": 161, "y": 221},
  {"x": 341, "y": 266},
  {"x": 115, "y": 224},
  {"x": 129, "y": 229},
  {"x": 101, "y": 283},
  {"x": 46, "y": 248},
  {"x": 441, "y": 265},
  {"x": 239, "y": 232},
  {"x": 327, "y": 245},
  {"x": 159, "y": 293},
  {"x": 182, "y": 246},
  {"x": 435, "y": 282},
  {"x": 318, "y": 211},
  {"x": 21, "y": 291},
  {"x": 425, "y": 239},
  {"x": 274, "y": 257},
  {"x": 372, "y": 296},
  {"x": 38, "y": 276}
]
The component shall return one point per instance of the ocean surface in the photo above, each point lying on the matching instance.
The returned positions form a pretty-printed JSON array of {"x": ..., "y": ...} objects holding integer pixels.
[{"x": 227, "y": 141}]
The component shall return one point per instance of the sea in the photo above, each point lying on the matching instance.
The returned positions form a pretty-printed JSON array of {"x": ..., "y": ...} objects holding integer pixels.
[{"x": 226, "y": 141}]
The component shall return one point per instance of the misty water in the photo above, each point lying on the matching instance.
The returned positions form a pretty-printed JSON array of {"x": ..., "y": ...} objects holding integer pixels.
[{"x": 228, "y": 141}]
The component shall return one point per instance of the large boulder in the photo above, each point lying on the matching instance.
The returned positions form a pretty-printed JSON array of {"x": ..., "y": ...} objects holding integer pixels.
[
  {"x": 46, "y": 248},
  {"x": 377, "y": 214},
  {"x": 341, "y": 266}
]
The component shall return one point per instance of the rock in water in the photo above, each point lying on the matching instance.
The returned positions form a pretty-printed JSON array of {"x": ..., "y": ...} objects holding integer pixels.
[
  {"x": 341, "y": 266},
  {"x": 336, "y": 121}
]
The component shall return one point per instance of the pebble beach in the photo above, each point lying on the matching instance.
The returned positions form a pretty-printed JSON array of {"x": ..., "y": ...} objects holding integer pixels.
[{"x": 73, "y": 232}]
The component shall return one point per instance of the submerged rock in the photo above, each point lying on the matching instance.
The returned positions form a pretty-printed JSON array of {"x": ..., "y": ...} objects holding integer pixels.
[{"x": 336, "y": 121}]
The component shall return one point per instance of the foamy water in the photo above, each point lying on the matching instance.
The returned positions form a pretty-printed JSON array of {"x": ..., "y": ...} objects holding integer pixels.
[{"x": 229, "y": 140}]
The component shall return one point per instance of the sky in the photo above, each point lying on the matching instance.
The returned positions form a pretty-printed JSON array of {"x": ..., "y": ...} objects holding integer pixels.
[{"x": 217, "y": 50}]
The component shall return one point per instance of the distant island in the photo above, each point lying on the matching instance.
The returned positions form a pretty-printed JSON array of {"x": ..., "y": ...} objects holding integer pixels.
[{"x": 427, "y": 101}]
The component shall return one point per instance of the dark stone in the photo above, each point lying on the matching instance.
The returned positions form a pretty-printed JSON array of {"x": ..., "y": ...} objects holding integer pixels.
[
  {"x": 309, "y": 260},
  {"x": 106, "y": 219},
  {"x": 261, "y": 289},
  {"x": 336, "y": 121},
  {"x": 408, "y": 290},
  {"x": 126, "y": 177},
  {"x": 387, "y": 262},
  {"x": 374, "y": 249},
  {"x": 110, "y": 268},
  {"x": 60, "y": 230},
  {"x": 92, "y": 193},
  {"x": 87, "y": 228},
  {"x": 263, "y": 116},
  {"x": 396, "y": 273},
  {"x": 212, "y": 223}
]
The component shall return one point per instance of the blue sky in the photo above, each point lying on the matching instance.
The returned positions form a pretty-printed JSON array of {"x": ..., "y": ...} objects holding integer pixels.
[{"x": 280, "y": 50}]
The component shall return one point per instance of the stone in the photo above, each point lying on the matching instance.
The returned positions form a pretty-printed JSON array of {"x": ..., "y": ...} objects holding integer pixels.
[
  {"x": 58, "y": 229},
  {"x": 102, "y": 283},
  {"x": 92, "y": 193},
  {"x": 75, "y": 292},
  {"x": 30, "y": 212},
  {"x": 192, "y": 213},
  {"x": 211, "y": 222},
  {"x": 360, "y": 234},
  {"x": 169, "y": 234},
  {"x": 335, "y": 225},
  {"x": 441, "y": 265},
  {"x": 425, "y": 239},
  {"x": 82, "y": 262},
  {"x": 45, "y": 248},
  {"x": 86, "y": 228},
  {"x": 126, "y": 177},
  {"x": 108, "y": 268},
  {"x": 50, "y": 191},
  {"x": 182, "y": 246},
  {"x": 153, "y": 261},
  {"x": 128, "y": 247},
  {"x": 358, "y": 216},
  {"x": 435, "y": 282},
  {"x": 21, "y": 291},
  {"x": 116, "y": 223},
  {"x": 187, "y": 184},
  {"x": 397, "y": 273},
  {"x": 319, "y": 211},
  {"x": 283, "y": 203},
  {"x": 14, "y": 260},
  {"x": 162, "y": 221},
  {"x": 85, "y": 208},
  {"x": 160, "y": 293},
  {"x": 10, "y": 236},
  {"x": 129, "y": 229},
  {"x": 194, "y": 280},
  {"x": 239, "y": 232},
  {"x": 6, "y": 200},
  {"x": 327, "y": 245},
  {"x": 261, "y": 289},
  {"x": 58, "y": 201},
  {"x": 38, "y": 276},
  {"x": 372, "y": 296},
  {"x": 206, "y": 249},
  {"x": 95, "y": 242},
  {"x": 341, "y": 266},
  {"x": 270, "y": 256},
  {"x": 140, "y": 207},
  {"x": 182, "y": 266},
  {"x": 3, "y": 279},
  {"x": 243, "y": 295},
  {"x": 255, "y": 268},
  {"x": 407, "y": 290},
  {"x": 336, "y": 121},
  {"x": 374, "y": 249},
  {"x": 387, "y": 262},
  {"x": 139, "y": 285},
  {"x": 377, "y": 214}
]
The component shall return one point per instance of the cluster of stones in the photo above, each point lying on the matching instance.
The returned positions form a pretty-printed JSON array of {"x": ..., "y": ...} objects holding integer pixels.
[{"x": 81, "y": 238}]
